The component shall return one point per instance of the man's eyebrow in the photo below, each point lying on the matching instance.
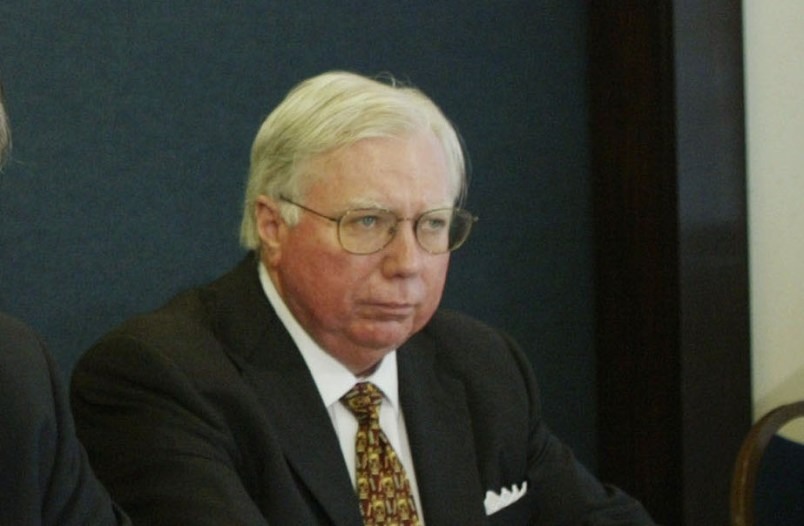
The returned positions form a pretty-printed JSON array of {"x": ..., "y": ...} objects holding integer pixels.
[
  {"x": 364, "y": 202},
  {"x": 358, "y": 203}
]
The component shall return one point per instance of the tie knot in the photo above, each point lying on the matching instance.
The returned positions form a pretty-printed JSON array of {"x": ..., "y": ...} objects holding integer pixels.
[{"x": 363, "y": 400}]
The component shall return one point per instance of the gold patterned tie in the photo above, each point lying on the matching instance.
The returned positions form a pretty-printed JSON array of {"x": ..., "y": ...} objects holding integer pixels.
[{"x": 382, "y": 486}]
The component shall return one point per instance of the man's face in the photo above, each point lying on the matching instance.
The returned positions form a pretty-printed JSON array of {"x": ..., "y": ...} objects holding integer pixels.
[{"x": 360, "y": 307}]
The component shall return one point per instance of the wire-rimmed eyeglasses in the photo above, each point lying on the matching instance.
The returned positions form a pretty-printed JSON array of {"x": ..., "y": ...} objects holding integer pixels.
[{"x": 369, "y": 230}]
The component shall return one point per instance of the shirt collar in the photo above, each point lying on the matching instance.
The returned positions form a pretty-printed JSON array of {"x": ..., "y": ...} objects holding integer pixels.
[{"x": 331, "y": 377}]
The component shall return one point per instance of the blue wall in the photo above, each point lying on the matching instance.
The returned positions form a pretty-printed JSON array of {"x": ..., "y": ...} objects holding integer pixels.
[{"x": 133, "y": 122}]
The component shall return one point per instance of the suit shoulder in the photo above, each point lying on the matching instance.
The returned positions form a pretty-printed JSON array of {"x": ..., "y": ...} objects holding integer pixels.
[
  {"x": 23, "y": 355},
  {"x": 14, "y": 335},
  {"x": 466, "y": 343},
  {"x": 461, "y": 330},
  {"x": 185, "y": 312},
  {"x": 179, "y": 332},
  {"x": 192, "y": 318},
  {"x": 27, "y": 371}
]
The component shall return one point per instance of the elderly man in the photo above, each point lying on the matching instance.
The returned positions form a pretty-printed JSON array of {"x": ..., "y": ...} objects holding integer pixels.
[
  {"x": 45, "y": 478},
  {"x": 318, "y": 383}
]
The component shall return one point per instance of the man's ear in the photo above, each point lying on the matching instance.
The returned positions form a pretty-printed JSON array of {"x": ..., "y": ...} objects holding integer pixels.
[{"x": 269, "y": 226}]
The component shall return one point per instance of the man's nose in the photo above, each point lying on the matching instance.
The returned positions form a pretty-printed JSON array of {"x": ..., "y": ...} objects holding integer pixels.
[{"x": 404, "y": 254}]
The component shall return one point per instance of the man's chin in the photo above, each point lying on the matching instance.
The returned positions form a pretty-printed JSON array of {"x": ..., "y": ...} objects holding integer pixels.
[{"x": 388, "y": 337}]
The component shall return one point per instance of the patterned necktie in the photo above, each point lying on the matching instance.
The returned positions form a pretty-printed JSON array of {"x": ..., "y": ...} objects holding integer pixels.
[{"x": 382, "y": 486}]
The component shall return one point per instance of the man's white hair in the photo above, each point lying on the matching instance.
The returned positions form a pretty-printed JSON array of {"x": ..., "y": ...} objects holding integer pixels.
[{"x": 330, "y": 111}]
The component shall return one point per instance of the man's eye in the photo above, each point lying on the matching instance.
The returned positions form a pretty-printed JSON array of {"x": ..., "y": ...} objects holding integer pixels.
[
  {"x": 435, "y": 223},
  {"x": 368, "y": 221}
]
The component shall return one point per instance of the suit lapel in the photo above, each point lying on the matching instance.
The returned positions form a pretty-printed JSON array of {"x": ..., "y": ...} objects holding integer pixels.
[
  {"x": 278, "y": 374},
  {"x": 308, "y": 440},
  {"x": 441, "y": 442}
]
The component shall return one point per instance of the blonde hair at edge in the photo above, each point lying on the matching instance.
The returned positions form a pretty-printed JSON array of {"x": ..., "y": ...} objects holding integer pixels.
[
  {"x": 5, "y": 130},
  {"x": 331, "y": 111}
]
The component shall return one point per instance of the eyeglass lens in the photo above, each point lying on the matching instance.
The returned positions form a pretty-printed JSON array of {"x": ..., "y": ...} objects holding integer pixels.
[{"x": 365, "y": 231}]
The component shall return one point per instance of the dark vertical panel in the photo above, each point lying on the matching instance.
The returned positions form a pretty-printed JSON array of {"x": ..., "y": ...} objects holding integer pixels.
[
  {"x": 634, "y": 185},
  {"x": 672, "y": 302},
  {"x": 715, "y": 361}
]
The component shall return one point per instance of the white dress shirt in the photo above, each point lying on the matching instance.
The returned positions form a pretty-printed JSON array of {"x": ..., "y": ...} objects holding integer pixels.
[{"x": 334, "y": 380}]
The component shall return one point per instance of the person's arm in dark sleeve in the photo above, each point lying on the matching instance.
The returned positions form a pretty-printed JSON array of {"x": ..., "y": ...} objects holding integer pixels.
[{"x": 46, "y": 478}]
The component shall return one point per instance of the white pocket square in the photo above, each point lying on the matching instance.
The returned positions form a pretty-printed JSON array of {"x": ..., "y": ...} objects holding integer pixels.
[{"x": 495, "y": 502}]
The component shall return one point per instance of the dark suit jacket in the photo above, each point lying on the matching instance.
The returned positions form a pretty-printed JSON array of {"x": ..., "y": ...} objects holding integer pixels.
[
  {"x": 45, "y": 478},
  {"x": 204, "y": 412}
]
